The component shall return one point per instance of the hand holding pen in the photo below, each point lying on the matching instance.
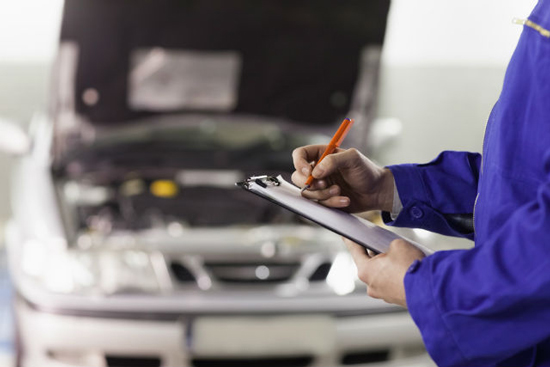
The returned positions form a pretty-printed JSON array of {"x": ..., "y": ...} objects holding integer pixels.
[
  {"x": 342, "y": 178},
  {"x": 331, "y": 147}
]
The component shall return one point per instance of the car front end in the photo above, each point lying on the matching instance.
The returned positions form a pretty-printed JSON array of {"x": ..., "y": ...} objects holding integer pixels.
[{"x": 167, "y": 263}]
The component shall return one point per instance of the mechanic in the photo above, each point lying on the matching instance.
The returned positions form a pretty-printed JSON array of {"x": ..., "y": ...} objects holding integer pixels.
[{"x": 489, "y": 305}]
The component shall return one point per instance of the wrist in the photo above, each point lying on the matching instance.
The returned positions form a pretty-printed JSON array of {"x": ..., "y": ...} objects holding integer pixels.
[{"x": 387, "y": 190}]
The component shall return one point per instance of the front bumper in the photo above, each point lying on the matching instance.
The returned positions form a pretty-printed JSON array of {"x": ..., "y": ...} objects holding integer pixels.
[{"x": 57, "y": 339}]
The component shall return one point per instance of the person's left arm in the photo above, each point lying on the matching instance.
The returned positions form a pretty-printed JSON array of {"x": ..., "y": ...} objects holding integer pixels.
[
  {"x": 465, "y": 300},
  {"x": 384, "y": 273}
]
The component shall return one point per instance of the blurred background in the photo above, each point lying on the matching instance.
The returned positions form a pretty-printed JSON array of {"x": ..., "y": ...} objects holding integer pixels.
[{"x": 443, "y": 64}]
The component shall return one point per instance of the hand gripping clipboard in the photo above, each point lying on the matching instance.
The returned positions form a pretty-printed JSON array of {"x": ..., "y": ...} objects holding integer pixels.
[{"x": 283, "y": 193}]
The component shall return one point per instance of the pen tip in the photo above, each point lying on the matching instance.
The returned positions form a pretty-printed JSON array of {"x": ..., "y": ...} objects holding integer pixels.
[{"x": 304, "y": 188}]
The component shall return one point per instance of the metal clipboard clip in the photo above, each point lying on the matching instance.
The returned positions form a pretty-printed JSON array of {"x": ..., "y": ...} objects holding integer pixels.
[
  {"x": 283, "y": 193},
  {"x": 263, "y": 180}
]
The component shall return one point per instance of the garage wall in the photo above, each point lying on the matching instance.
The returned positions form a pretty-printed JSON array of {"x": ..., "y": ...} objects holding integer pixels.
[
  {"x": 443, "y": 68},
  {"x": 479, "y": 33},
  {"x": 22, "y": 92}
]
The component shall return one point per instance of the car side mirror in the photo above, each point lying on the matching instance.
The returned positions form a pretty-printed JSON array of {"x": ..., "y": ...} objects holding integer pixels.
[{"x": 13, "y": 140}]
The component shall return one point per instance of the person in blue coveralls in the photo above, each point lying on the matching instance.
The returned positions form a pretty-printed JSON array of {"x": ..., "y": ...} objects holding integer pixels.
[{"x": 489, "y": 305}]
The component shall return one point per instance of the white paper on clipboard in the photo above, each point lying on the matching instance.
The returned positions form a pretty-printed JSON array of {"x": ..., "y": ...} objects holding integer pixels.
[{"x": 357, "y": 229}]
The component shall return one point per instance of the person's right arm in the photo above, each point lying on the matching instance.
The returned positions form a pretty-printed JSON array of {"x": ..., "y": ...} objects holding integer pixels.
[
  {"x": 436, "y": 195},
  {"x": 345, "y": 179},
  {"x": 432, "y": 194}
]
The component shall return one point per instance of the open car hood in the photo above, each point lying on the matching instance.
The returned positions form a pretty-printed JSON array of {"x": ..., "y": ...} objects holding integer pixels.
[{"x": 308, "y": 62}]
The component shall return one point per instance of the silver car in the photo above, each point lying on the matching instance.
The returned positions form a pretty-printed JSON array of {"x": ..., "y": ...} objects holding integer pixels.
[{"x": 130, "y": 244}]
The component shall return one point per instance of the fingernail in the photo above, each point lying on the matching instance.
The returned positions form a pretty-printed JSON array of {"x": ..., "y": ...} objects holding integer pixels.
[
  {"x": 344, "y": 201},
  {"x": 305, "y": 171},
  {"x": 333, "y": 191}
]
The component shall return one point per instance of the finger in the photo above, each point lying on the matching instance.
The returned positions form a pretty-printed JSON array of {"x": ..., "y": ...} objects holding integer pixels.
[
  {"x": 319, "y": 193},
  {"x": 365, "y": 270},
  {"x": 318, "y": 185},
  {"x": 357, "y": 252},
  {"x": 300, "y": 180},
  {"x": 303, "y": 156},
  {"x": 403, "y": 247},
  {"x": 328, "y": 197},
  {"x": 336, "y": 202},
  {"x": 333, "y": 162}
]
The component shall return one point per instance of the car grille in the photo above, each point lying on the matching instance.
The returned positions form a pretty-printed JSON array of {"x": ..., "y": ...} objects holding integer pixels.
[
  {"x": 182, "y": 273},
  {"x": 348, "y": 359},
  {"x": 248, "y": 272},
  {"x": 374, "y": 356},
  {"x": 251, "y": 272},
  {"x": 132, "y": 361},
  {"x": 321, "y": 272},
  {"x": 254, "y": 362}
]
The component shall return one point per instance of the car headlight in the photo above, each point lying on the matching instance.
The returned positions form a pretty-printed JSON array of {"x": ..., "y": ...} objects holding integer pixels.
[
  {"x": 91, "y": 271},
  {"x": 127, "y": 271},
  {"x": 343, "y": 274}
]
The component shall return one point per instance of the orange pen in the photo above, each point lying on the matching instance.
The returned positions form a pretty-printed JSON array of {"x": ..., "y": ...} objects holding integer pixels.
[{"x": 331, "y": 147}]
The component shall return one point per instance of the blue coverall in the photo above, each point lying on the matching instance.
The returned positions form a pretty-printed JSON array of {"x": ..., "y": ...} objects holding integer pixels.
[{"x": 490, "y": 306}]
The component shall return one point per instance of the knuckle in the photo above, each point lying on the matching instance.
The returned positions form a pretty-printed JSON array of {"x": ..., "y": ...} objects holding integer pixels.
[
  {"x": 363, "y": 275},
  {"x": 297, "y": 154},
  {"x": 296, "y": 178},
  {"x": 328, "y": 161},
  {"x": 371, "y": 292},
  {"x": 353, "y": 153},
  {"x": 308, "y": 194},
  {"x": 326, "y": 193},
  {"x": 397, "y": 243},
  {"x": 321, "y": 196}
]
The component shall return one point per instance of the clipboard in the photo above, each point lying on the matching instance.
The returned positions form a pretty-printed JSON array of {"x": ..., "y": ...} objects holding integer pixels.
[{"x": 357, "y": 229}]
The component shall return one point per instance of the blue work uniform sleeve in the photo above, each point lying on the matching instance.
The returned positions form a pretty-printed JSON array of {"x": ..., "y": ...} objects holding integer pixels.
[
  {"x": 431, "y": 192},
  {"x": 498, "y": 303}
]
